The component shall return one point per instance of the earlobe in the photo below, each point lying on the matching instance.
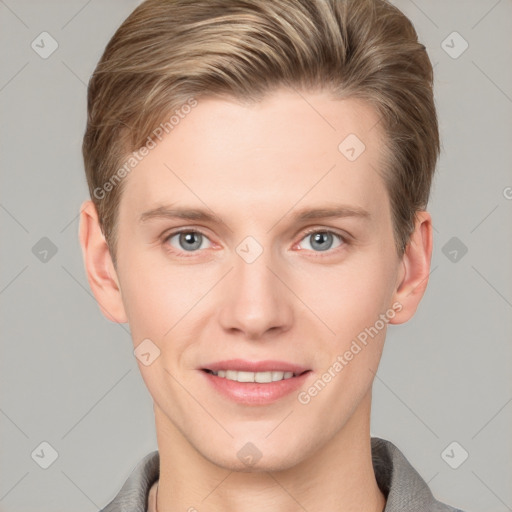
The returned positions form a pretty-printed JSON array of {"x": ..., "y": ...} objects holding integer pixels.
[
  {"x": 99, "y": 268},
  {"x": 414, "y": 269}
]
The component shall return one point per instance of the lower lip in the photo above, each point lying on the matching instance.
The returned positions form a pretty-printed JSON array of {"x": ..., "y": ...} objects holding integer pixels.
[{"x": 255, "y": 393}]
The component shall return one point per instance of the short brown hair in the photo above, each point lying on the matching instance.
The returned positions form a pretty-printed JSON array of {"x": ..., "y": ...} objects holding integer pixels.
[{"x": 169, "y": 51}]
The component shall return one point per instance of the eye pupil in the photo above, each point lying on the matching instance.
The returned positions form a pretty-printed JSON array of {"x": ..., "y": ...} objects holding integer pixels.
[
  {"x": 190, "y": 244},
  {"x": 320, "y": 238}
]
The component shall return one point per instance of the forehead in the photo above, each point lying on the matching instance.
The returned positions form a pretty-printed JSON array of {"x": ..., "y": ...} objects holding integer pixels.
[{"x": 289, "y": 149}]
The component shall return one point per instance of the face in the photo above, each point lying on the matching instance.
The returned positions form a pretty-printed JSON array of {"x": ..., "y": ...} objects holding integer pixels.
[{"x": 229, "y": 250}]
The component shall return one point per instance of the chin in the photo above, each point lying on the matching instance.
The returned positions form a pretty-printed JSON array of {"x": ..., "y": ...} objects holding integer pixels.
[
  {"x": 248, "y": 457},
  {"x": 262, "y": 466}
]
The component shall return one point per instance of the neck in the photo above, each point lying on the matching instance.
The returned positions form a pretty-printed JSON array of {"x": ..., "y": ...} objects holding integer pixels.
[{"x": 338, "y": 477}]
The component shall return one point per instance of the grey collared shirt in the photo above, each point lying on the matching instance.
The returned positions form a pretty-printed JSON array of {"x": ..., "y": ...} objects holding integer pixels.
[{"x": 402, "y": 485}]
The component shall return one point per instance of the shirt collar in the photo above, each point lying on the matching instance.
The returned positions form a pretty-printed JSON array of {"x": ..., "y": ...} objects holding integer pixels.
[{"x": 400, "y": 483}]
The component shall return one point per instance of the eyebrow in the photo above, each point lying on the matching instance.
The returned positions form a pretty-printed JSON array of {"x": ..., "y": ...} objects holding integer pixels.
[{"x": 197, "y": 214}]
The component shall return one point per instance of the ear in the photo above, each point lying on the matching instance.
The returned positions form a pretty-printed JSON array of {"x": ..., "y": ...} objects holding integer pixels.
[
  {"x": 415, "y": 268},
  {"x": 100, "y": 270}
]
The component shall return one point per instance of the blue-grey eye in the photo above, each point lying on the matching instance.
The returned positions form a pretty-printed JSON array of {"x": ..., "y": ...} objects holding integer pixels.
[
  {"x": 321, "y": 240},
  {"x": 188, "y": 240}
]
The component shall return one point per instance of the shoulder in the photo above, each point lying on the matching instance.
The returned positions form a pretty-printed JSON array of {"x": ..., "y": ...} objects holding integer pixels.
[
  {"x": 133, "y": 495},
  {"x": 402, "y": 485}
]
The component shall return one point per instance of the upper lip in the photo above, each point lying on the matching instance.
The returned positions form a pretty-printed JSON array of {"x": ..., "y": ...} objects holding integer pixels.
[{"x": 242, "y": 365}]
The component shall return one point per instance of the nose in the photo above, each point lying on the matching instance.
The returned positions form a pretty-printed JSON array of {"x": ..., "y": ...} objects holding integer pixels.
[{"x": 255, "y": 301}]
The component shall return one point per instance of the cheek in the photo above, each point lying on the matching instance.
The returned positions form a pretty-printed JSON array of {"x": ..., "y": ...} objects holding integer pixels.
[
  {"x": 160, "y": 297},
  {"x": 351, "y": 304},
  {"x": 153, "y": 299},
  {"x": 348, "y": 298},
  {"x": 146, "y": 307}
]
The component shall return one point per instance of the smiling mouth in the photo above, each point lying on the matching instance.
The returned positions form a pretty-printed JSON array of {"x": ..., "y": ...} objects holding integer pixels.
[{"x": 258, "y": 377}]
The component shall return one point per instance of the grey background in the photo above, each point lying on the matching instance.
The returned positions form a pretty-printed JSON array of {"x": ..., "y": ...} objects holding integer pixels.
[{"x": 68, "y": 376}]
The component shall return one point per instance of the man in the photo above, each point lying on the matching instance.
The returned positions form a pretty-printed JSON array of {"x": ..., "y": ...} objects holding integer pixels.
[{"x": 259, "y": 174}]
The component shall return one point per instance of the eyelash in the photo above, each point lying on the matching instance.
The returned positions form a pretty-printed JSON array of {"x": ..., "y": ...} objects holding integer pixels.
[{"x": 183, "y": 254}]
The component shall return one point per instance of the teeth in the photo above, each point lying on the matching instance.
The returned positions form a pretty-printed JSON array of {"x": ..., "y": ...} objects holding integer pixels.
[{"x": 253, "y": 376}]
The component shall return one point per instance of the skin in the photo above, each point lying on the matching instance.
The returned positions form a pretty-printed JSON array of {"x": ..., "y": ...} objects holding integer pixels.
[{"x": 255, "y": 166}]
